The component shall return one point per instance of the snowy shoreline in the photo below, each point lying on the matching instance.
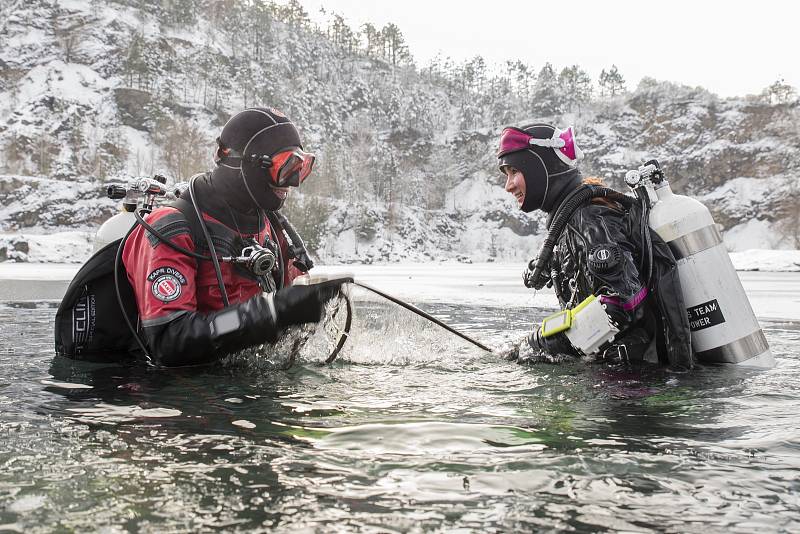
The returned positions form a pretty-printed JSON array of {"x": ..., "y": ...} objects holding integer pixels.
[
  {"x": 774, "y": 296},
  {"x": 75, "y": 247}
]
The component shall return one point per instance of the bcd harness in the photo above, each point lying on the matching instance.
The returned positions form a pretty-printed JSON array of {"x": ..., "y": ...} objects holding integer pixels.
[{"x": 100, "y": 298}]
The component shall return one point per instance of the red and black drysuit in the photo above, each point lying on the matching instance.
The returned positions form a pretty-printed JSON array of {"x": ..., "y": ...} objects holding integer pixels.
[
  {"x": 600, "y": 253},
  {"x": 178, "y": 296}
]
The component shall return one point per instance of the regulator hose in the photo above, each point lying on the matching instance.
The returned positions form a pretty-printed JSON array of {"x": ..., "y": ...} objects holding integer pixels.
[
  {"x": 581, "y": 196},
  {"x": 212, "y": 251},
  {"x": 297, "y": 248},
  {"x": 117, "y": 265},
  {"x": 346, "y": 331}
]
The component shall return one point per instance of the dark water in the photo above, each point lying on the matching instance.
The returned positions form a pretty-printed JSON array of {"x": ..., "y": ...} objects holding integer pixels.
[{"x": 410, "y": 431}]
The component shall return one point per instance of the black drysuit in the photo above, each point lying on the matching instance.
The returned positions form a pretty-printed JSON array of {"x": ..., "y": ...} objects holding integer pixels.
[{"x": 601, "y": 253}]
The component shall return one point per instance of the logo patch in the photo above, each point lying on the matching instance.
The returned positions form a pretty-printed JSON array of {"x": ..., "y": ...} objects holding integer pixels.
[
  {"x": 604, "y": 258},
  {"x": 705, "y": 315},
  {"x": 84, "y": 317},
  {"x": 166, "y": 283}
]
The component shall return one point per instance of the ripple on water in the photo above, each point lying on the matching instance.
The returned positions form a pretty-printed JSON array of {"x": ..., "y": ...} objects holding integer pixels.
[{"x": 410, "y": 430}]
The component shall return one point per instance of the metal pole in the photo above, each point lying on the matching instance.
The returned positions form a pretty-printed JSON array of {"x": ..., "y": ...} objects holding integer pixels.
[{"x": 421, "y": 313}]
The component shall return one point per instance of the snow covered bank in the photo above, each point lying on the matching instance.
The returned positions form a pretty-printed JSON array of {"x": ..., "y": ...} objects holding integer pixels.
[
  {"x": 76, "y": 246},
  {"x": 774, "y": 296},
  {"x": 767, "y": 260},
  {"x": 59, "y": 247}
]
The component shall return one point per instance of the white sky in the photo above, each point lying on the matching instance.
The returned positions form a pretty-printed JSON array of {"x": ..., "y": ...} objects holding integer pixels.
[{"x": 731, "y": 48}]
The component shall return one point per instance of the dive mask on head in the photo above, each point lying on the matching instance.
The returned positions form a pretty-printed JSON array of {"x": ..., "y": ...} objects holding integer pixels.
[{"x": 562, "y": 142}]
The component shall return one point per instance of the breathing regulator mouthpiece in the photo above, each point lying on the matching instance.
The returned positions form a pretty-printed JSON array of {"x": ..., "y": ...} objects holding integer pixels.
[
  {"x": 257, "y": 259},
  {"x": 534, "y": 276}
]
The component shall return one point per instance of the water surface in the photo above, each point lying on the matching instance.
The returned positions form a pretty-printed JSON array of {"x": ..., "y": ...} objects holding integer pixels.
[{"x": 411, "y": 430}]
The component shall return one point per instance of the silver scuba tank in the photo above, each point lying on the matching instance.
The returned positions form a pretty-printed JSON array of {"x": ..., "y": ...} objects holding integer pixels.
[
  {"x": 114, "y": 228},
  {"x": 721, "y": 319}
]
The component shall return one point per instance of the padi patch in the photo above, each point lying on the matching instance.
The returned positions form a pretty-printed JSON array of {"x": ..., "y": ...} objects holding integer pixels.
[{"x": 166, "y": 283}]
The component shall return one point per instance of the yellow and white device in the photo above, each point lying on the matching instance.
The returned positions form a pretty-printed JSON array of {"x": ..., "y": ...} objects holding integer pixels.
[
  {"x": 558, "y": 322},
  {"x": 587, "y": 325}
]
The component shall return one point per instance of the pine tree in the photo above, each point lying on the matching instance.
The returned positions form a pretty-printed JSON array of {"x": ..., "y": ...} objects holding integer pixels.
[
  {"x": 372, "y": 39},
  {"x": 575, "y": 85},
  {"x": 522, "y": 78},
  {"x": 294, "y": 14},
  {"x": 611, "y": 82},
  {"x": 134, "y": 64},
  {"x": 545, "y": 92},
  {"x": 394, "y": 44}
]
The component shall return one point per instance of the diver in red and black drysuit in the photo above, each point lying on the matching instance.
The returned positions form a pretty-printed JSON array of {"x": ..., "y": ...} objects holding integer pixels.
[
  {"x": 183, "y": 315},
  {"x": 602, "y": 251}
]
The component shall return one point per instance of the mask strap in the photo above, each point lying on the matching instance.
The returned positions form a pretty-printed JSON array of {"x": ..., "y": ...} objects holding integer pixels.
[
  {"x": 547, "y": 184},
  {"x": 562, "y": 172},
  {"x": 249, "y": 192},
  {"x": 555, "y": 142}
]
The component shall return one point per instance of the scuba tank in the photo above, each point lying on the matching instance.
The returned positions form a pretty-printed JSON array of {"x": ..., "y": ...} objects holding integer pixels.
[
  {"x": 117, "y": 226},
  {"x": 721, "y": 319}
]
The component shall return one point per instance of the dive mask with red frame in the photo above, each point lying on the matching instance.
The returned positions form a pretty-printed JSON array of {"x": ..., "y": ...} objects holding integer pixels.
[{"x": 288, "y": 167}]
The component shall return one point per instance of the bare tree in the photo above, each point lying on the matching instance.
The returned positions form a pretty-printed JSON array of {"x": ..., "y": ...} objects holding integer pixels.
[
  {"x": 184, "y": 148},
  {"x": 69, "y": 30}
]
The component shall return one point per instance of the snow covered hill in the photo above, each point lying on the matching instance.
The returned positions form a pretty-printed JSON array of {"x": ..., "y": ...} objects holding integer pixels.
[{"x": 101, "y": 91}]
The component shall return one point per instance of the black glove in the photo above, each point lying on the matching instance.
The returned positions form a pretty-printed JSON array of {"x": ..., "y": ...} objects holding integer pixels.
[
  {"x": 535, "y": 339},
  {"x": 535, "y": 282},
  {"x": 304, "y": 304},
  {"x": 556, "y": 344}
]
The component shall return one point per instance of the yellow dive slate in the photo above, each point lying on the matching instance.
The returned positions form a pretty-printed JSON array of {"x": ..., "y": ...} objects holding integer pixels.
[
  {"x": 561, "y": 321},
  {"x": 558, "y": 322}
]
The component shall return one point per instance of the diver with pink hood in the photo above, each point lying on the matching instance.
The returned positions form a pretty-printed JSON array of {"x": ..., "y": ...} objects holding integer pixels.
[{"x": 616, "y": 281}]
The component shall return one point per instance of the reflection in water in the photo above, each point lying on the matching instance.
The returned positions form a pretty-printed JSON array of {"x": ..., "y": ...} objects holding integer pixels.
[{"x": 410, "y": 430}]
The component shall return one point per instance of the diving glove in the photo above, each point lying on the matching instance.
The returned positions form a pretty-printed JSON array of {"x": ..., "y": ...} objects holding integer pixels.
[
  {"x": 300, "y": 304},
  {"x": 535, "y": 339},
  {"x": 532, "y": 280},
  {"x": 554, "y": 344}
]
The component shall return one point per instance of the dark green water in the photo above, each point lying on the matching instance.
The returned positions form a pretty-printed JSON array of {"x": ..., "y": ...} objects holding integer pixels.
[{"x": 410, "y": 431}]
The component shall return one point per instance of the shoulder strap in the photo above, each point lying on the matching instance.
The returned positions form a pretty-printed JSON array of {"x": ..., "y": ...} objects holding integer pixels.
[{"x": 186, "y": 208}]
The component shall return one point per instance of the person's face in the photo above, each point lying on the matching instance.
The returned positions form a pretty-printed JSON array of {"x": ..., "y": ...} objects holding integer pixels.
[
  {"x": 280, "y": 192},
  {"x": 515, "y": 183},
  {"x": 289, "y": 169}
]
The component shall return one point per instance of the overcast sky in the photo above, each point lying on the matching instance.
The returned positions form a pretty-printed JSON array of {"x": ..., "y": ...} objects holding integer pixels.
[{"x": 731, "y": 48}]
